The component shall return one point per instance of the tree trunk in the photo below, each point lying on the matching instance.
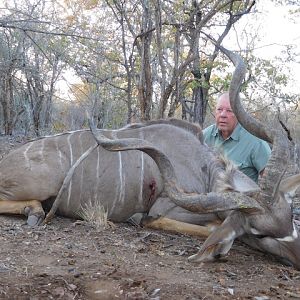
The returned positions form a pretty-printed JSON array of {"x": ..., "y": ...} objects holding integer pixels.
[
  {"x": 158, "y": 25},
  {"x": 7, "y": 104},
  {"x": 145, "y": 85}
]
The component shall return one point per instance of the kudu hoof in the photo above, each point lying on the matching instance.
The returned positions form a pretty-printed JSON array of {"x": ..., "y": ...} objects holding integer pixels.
[
  {"x": 201, "y": 258},
  {"x": 196, "y": 258},
  {"x": 34, "y": 220}
]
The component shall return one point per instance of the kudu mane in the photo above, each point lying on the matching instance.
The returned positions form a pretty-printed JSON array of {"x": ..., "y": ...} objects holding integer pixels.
[
  {"x": 53, "y": 135},
  {"x": 224, "y": 181},
  {"x": 193, "y": 128}
]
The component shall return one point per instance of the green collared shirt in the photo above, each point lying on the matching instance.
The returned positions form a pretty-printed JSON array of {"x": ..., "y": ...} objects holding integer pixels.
[{"x": 249, "y": 153}]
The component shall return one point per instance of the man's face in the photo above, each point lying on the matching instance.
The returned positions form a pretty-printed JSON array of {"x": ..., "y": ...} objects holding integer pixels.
[{"x": 225, "y": 118}]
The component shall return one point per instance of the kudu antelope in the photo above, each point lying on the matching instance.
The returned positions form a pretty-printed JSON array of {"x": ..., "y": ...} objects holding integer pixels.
[
  {"x": 177, "y": 170},
  {"x": 259, "y": 215}
]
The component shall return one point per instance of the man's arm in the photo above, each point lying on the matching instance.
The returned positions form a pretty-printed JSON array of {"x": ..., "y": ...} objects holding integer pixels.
[{"x": 261, "y": 156}]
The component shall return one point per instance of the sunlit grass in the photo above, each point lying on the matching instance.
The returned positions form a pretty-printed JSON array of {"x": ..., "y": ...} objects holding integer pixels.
[{"x": 94, "y": 214}]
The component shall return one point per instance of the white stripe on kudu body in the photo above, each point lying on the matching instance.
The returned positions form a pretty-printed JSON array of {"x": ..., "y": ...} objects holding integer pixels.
[
  {"x": 71, "y": 163},
  {"x": 81, "y": 166},
  {"x": 140, "y": 199},
  {"x": 60, "y": 156},
  {"x": 26, "y": 156},
  {"x": 70, "y": 148},
  {"x": 120, "y": 189},
  {"x": 97, "y": 175},
  {"x": 42, "y": 149}
]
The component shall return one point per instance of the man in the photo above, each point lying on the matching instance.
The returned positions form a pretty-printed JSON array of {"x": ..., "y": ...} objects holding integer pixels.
[{"x": 249, "y": 153}]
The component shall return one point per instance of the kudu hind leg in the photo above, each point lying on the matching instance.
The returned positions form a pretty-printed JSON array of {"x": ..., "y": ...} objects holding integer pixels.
[
  {"x": 220, "y": 241},
  {"x": 31, "y": 208}
]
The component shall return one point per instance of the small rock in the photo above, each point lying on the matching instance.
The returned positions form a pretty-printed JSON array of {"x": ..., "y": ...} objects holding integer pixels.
[
  {"x": 72, "y": 287},
  {"x": 293, "y": 295},
  {"x": 155, "y": 293},
  {"x": 230, "y": 291}
]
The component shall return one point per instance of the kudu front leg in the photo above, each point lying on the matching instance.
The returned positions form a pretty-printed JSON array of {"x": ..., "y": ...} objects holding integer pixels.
[
  {"x": 31, "y": 208},
  {"x": 220, "y": 241},
  {"x": 167, "y": 224}
]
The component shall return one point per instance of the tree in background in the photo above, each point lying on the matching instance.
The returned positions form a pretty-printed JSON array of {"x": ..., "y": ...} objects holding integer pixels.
[
  {"x": 136, "y": 60},
  {"x": 30, "y": 65}
]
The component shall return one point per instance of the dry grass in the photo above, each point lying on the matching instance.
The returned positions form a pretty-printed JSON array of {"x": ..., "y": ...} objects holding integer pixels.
[{"x": 94, "y": 214}]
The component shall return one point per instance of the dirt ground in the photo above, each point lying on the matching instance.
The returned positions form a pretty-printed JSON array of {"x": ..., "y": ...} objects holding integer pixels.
[{"x": 69, "y": 259}]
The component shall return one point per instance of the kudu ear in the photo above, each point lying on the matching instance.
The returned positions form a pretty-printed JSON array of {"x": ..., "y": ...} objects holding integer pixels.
[
  {"x": 242, "y": 183},
  {"x": 289, "y": 186}
]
